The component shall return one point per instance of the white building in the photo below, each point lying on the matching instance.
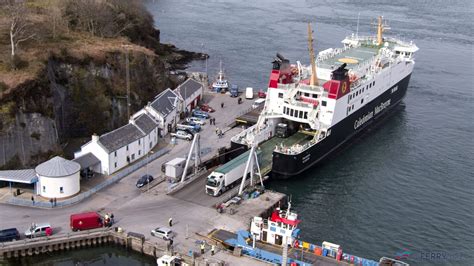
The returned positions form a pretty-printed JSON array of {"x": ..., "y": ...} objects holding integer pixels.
[
  {"x": 164, "y": 109},
  {"x": 190, "y": 93},
  {"x": 122, "y": 146},
  {"x": 58, "y": 178}
]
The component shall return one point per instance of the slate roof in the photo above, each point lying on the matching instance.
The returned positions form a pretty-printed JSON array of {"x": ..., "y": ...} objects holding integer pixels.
[
  {"x": 188, "y": 88},
  {"x": 87, "y": 160},
  {"x": 145, "y": 123},
  {"x": 26, "y": 176},
  {"x": 57, "y": 167},
  {"x": 120, "y": 137},
  {"x": 164, "y": 103}
]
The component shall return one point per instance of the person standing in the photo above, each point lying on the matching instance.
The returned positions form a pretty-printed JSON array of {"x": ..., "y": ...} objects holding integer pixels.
[
  {"x": 213, "y": 249},
  {"x": 112, "y": 218},
  {"x": 170, "y": 222},
  {"x": 222, "y": 104},
  {"x": 202, "y": 247},
  {"x": 52, "y": 202},
  {"x": 55, "y": 202},
  {"x": 33, "y": 200}
]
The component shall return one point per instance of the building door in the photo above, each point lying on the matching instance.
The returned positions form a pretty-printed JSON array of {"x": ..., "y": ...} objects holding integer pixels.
[
  {"x": 264, "y": 236},
  {"x": 278, "y": 240}
]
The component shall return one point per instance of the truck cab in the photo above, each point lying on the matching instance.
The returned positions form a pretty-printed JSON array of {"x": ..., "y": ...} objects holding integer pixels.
[{"x": 215, "y": 184}]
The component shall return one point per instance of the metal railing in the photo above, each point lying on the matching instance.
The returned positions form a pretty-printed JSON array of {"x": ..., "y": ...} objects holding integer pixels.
[{"x": 113, "y": 179}]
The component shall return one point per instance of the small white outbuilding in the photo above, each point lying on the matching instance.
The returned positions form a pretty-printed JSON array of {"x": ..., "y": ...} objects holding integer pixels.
[{"x": 58, "y": 178}]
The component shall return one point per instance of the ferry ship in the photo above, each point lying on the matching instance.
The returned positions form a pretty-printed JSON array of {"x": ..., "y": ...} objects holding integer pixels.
[{"x": 312, "y": 110}]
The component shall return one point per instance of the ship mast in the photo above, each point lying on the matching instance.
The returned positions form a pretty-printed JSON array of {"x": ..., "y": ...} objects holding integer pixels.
[
  {"x": 380, "y": 30},
  {"x": 314, "y": 78}
]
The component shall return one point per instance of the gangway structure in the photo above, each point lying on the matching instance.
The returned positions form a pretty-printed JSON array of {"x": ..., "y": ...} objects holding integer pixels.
[{"x": 196, "y": 147}]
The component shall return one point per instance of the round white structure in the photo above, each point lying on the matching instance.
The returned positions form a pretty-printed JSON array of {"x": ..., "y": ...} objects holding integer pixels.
[{"x": 58, "y": 178}]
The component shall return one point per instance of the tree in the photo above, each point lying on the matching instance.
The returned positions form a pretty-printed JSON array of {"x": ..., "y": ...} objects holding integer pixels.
[{"x": 20, "y": 30}]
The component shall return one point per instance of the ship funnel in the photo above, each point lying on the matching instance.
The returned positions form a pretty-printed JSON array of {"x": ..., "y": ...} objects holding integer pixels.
[{"x": 340, "y": 73}]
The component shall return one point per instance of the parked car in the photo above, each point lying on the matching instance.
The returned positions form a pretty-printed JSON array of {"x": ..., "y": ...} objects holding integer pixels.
[
  {"x": 258, "y": 103},
  {"x": 200, "y": 114},
  {"x": 195, "y": 120},
  {"x": 85, "y": 221},
  {"x": 207, "y": 108},
  {"x": 262, "y": 94},
  {"x": 194, "y": 128},
  {"x": 36, "y": 230},
  {"x": 182, "y": 135},
  {"x": 9, "y": 234},
  {"x": 144, "y": 180},
  {"x": 163, "y": 232}
]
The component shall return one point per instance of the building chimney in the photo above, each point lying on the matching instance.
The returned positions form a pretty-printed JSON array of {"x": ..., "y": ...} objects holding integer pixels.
[{"x": 95, "y": 137}]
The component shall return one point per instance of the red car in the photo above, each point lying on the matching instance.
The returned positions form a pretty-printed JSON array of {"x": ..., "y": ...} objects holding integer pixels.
[
  {"x": 207, "y": 108},
  {"x": 261, "y": 94}
]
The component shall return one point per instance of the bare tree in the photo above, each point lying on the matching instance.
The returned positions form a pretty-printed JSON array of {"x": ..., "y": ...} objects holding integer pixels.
[{"x": 20, "y": 30}]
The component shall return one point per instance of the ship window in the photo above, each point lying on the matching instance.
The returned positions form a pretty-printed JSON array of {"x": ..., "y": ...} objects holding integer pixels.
[
  {"x": 315, "y": 96},
  {"x": 291, "y": 112},
  {"x": 370, "y": 85},
  {"x": 305, "y": 115},
  {"x": 301, "y": 114},
  {"x": 280, "y": 95},
  {"x": 352, "y": 107},
  {"x": 296, "y": 113},
  {"x": 284, "y": 109},
  {"x": 306, "y": 94},
  {"x": 323, "y": 103},
  {"x": 357, "y": 93}
]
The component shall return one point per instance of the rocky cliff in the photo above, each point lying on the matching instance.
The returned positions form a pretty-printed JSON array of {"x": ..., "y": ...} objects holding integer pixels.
[{"x": 77, "y": 86}]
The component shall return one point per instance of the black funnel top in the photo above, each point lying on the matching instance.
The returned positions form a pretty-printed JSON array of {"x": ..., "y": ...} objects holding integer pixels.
[
  {"x": 340, "y": 73},
  {"x": 280, "y": 62}
]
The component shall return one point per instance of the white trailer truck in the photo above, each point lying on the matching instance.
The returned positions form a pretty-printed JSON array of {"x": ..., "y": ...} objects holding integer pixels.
[{"x": 227, "y": 175}]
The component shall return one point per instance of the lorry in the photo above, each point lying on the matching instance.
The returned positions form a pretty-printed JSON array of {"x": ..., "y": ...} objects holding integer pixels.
[{"x": 227, "y": 176}]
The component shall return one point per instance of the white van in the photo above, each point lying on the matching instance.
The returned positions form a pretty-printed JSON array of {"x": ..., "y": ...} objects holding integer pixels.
[
  {"x": 258, "y": 103},
  {"x": 249, "y": 93}
]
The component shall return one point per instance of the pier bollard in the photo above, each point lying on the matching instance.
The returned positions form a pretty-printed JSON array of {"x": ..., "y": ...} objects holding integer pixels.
[
  {"x": 15, "y": 254},
  {"x": 9, "y": 255},
  {"x": 94, "y": 241},
  {"x": 23, "y": 253},
  {"x": 88, "y": 241},
  {"x": 37, "y": 251},
  {"x": 30, "y": 252}
]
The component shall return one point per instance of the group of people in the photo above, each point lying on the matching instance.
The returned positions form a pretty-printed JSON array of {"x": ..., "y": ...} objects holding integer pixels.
[
  {"x": 109, "y": 219},
  {"x": 53, "y": 202},
  {"x": 212, "y": 121},
  {"x": 203, "y": 248}
]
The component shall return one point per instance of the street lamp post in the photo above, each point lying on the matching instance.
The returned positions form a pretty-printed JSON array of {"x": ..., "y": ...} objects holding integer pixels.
[{"x": 146, "y": 167}]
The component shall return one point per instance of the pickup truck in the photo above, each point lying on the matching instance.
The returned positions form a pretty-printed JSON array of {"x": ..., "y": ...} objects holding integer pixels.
[{"x": 182, "y": 135}]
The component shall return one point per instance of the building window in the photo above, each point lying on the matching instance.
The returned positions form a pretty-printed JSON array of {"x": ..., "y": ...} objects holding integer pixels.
[
  {"x": 373, "y": 83},
  {"x": 61, "y": 190},
  {"x": 350, "y": 97},
  {"x": 133, "y": 156},
  {"x": 151, "y": 145},
  {"x": 370, "y": 85},
  {"x": 280, "y": 95},
  {"x": 115, "y": 153},
  {"x": 324, "y": 103},
  {"x": 127, "y": 147},
  {"x": 362, "y": 101},
  {"x": 138, "y": 142},
  {"x": 362, "y": 89},
  {"x": 139, "y": 152},
  {"x": 115, "y": 165},
  {"x": 357, "y": 93},
  {"x": 44, "y": 189}
]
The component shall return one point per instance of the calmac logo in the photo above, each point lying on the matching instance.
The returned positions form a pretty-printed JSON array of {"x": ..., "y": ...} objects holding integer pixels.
[
  {"x": 403, "y": 254},
  {"x": 344, "y": 87}
]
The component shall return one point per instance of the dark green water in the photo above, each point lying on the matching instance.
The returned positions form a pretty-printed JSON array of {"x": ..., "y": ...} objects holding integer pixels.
[{"x": 89, "y": 256}]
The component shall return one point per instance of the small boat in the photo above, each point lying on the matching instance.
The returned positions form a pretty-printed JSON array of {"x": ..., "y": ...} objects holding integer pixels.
[{"x": 220, "y": 84}]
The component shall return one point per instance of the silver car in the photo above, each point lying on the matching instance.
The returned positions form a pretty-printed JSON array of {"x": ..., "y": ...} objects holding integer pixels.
[
  {"x": 36, "y": 230},
  {"x": 162, "y": 232}
]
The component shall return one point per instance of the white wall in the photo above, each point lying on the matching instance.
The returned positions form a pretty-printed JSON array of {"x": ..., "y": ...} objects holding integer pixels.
[
  {"x": 49, "y": 187},
  {"x": 99, "y": 152}
]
